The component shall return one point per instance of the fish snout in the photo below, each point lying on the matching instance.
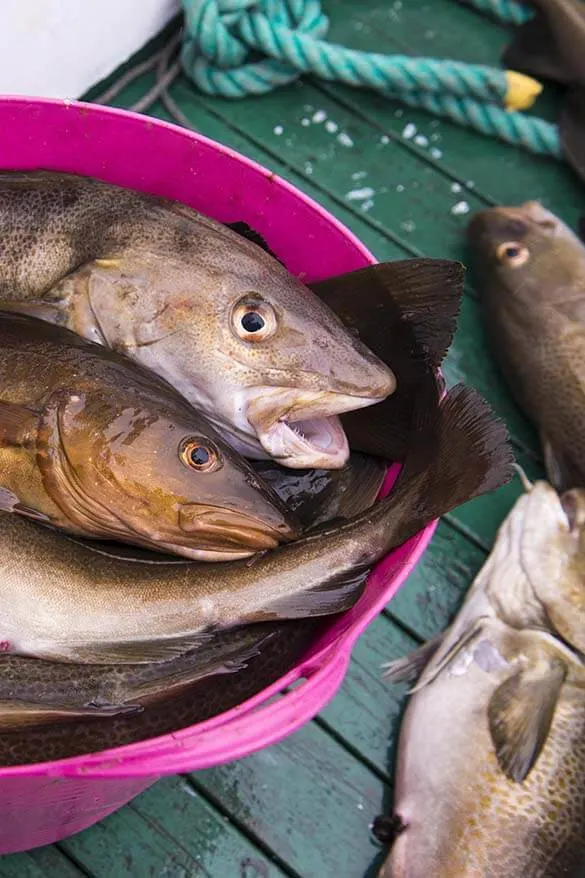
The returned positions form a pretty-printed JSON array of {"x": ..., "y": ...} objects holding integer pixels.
[
  {"x": 364, "y": 376},
  {"x": 221, "y": 528}
]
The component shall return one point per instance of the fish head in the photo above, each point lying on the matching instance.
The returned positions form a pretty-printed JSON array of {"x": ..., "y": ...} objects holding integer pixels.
[
  {"x": 300, "y": 368},
  {"x": 123, "y": 466},
  {"x": 527, "y": 253},
  {"x": 270, "y": 364},
  {"x": 536, "y": 573}
]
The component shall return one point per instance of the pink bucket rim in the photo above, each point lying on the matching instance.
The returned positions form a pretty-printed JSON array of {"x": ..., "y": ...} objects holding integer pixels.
[{"x": 252, "y": 726}]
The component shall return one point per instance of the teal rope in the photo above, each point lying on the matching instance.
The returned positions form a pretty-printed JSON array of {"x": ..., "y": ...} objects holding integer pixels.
[
  {"x": 535, "y": 135},
  {"x": 221, "y": 35},
  {"x": 508, "y": 11},
  {"x": 234, "y": 48}
]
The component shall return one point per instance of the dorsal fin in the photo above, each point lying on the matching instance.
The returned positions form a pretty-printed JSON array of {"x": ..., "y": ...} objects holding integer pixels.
[{"x": 246, "y": 231}]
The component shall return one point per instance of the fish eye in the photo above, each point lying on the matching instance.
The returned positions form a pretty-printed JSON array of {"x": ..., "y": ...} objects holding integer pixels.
[
  {"x": 513, "y": 254},
  {"x": 253, "y": 319},
  {"x": 200, "y": 455}
]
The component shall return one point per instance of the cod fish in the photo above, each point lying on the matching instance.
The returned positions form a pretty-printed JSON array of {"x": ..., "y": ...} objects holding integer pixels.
[
  {"x": 61, "y": 600},
  {"x": 196, "y": 302},
  {"x": 531, "y": 272},
  {"x": 491, "y": 757},
  {"x": 36, "y": 692},
  {"x": 283, "y": 644},
  {"x": 96, "y": 445}
]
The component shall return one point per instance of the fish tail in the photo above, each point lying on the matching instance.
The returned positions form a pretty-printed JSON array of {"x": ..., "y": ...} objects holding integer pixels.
[{"x": 459, "y": 451}]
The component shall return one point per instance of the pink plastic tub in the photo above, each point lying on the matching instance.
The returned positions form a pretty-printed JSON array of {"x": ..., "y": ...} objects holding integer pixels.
[{"x": 43, "y": 803}]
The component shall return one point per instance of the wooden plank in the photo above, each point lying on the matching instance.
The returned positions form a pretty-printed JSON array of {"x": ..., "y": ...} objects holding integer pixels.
[
  {"x": 306, "y": 798},
  {"x": 436, "y": 586},
  {"x": 366, "y": 712},
  {"x": 500, "y": 173},
  {"x": 171, "y": 831},
  {"x": 39, "y": 863}
]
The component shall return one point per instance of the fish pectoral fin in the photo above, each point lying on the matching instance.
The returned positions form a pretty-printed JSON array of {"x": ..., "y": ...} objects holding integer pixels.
[
  {"x": 572, "y": 129},
  {"x": 16, "y": 713},
  {"x": 367, "y": 477},
  {"x": 409, "y": 667},
  {"x": 9, "y": 502},
  {"x": 520, "y": 714},
  {"x": 560, "y": 471},
  {"x": 18, "y": 425},
  {"x": 135, "y": 652},
  {"x": 440, "y": 662},
  {"x": 245, "y": 231},
  {"x": 335, "y": 595},
  {"x": 534, "y": 51},
  {"x": 231, "y": 660}
]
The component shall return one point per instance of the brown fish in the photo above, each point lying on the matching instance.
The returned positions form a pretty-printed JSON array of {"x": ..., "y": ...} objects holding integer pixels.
[
  {"x": 222, "y": 321},
  {"x": 491, "y": 760},
  {"x": 34, "y": 691},
  {"x": 96, "y": 445},
  {"x": 531, "y": 272},
  {"x": 82, "y": 605}
]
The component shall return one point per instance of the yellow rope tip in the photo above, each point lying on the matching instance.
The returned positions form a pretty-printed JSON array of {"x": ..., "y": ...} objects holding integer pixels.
[{"x": 522, "y": 90}]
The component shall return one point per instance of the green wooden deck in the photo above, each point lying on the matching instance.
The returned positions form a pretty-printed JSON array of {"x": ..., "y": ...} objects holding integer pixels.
[{"x": 303, "y": 807}]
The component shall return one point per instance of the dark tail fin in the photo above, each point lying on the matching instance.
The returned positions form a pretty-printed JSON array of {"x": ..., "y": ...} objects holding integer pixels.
[
  {"x": 572, "y": 130},
  {"x": 406, "y": 313},
  {"x": 533, "y": 51},
  {"x": 459, "y": 451}
]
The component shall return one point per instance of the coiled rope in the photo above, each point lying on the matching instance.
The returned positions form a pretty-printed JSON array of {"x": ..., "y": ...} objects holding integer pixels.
[{"x": 236, "y": 48}]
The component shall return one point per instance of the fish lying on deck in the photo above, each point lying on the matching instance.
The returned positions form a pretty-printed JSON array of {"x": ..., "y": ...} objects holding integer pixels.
[
  {"x": 220, "y": 319},
  {"x": 96, "y": 445},
  {"x": 491, "y": 759},
  {"x": 531, "y": 273}
]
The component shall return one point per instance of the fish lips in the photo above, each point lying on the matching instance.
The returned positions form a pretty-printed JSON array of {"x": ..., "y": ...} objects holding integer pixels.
[
  {"x": 300, "y": 429},
  {"x": 220, "y": 532}
]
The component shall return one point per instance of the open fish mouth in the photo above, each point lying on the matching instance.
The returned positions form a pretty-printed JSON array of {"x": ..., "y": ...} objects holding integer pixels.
[{"x": 301, "y": 430}]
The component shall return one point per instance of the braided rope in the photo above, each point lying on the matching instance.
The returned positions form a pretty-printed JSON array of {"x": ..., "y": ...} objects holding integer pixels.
[
  {"x": 221, "y": 36},
  {"x": 535, "y": 135},
  {"x": 235, "y": 48}
]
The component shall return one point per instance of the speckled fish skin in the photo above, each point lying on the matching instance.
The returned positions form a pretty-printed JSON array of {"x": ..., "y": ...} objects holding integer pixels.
[
  {"x": 491, "y": 760},
  {"x": 36, "y": 692},
  {"x": 283, "y": 645},
  {"x": 96, "y": 445},
  {"x": 534, "y": 307},
  {"x": 169, "y": 287},
  {"x": 78, "y": 604}
]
